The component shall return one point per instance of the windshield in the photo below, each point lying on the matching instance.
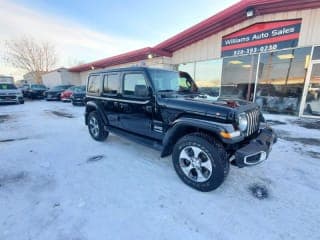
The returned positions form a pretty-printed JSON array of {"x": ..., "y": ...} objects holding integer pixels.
[
  {"x": 80, "y": 89},
  {"x": 7, "y": 86},
  {"x": 164, "y": 80},
  {"x": 38, "y": 86},
  {"x": 6, "y": 79},
  {"x": 60, "y": 87}
]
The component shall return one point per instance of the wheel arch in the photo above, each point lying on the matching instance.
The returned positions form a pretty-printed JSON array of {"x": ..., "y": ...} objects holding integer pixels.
[
  {"x": 94, "y": 106},
  {"x": 186, "y": 126}
]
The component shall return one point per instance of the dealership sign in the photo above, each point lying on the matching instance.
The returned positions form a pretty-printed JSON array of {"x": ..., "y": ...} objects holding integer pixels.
[{"x": 262, "y": 37}]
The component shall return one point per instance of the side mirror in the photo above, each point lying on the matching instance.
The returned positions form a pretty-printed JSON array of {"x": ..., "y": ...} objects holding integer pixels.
[{"x": 141, "y": 91}]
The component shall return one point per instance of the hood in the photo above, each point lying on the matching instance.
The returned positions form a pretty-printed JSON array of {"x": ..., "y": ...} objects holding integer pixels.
[{"x": 206, "y": 105}]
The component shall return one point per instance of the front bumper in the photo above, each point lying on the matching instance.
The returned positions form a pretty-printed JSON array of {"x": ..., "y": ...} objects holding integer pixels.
[
  {"x": 9, "y": 99},
  {"x": 78, "y": 100},
  {"x": 65, "y": 99},
  {"x": 257, "y": 150},
  {"x": 36, "y": 94},
  {"x": 51, "y": 96}
]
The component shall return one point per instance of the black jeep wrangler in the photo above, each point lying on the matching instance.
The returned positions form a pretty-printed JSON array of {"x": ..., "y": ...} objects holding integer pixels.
[{"x": 165, "y": 110}]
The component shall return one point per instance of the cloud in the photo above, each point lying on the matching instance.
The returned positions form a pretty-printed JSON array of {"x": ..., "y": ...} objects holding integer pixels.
[{"x": 72, "y": 41}]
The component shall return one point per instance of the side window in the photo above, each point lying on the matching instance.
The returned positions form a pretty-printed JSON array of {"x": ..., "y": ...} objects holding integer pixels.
[
  {"x": 134, "y": 84},
  {"x": 94, "y": 84},
  {"x": 111, "y": 84}
]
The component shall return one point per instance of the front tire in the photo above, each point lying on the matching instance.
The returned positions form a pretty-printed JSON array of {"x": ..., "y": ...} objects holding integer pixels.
[
  {"x": 200, "y": 162},
  {"x": 96, "y": 127}
]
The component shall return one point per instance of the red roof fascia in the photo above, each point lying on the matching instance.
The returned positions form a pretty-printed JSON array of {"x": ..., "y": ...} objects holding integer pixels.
[
  {"x": 136, "y": 55},
  {"x": 217, "y": 23},
  {"x": 231, "y": 16}
]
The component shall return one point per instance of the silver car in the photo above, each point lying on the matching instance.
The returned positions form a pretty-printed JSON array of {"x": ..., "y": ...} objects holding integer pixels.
[{"x": 9, "y": 93}]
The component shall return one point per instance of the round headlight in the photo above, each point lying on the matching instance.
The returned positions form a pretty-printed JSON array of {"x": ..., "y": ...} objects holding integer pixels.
[{"x": 243, "y": 122}]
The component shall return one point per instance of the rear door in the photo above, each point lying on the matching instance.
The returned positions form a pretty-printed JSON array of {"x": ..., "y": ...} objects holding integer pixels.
[{"x": 110, "y": 97}]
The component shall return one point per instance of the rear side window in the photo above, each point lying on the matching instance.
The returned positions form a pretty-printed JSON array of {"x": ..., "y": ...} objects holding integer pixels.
[
  {"x": 111, "y": 84},
  {"x": 132, "y": 82},
  {"x": 94, "y": 84}
]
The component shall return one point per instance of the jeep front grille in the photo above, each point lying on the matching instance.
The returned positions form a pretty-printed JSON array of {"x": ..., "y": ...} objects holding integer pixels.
[{"x": 253, "y": 121}]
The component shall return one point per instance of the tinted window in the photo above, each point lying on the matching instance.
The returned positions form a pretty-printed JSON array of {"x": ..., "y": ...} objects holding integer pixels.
[
  {"x": 238, "y": 77},
  {"x": 111, "y": 83},
  {"x": 133, "y": 82},
  {"x": 282, "y": 80},
  {"x": 316, "y": 53},
  {"x": 94, "y": 84}
]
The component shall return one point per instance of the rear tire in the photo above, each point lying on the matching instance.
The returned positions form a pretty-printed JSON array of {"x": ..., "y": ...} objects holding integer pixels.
[
  {"x": 96, "y": 127},
  {"x": 200, "y": 161}
]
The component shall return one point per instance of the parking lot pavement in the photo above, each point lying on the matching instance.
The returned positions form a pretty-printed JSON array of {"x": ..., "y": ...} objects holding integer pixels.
[{"x": 58, "y": 183}]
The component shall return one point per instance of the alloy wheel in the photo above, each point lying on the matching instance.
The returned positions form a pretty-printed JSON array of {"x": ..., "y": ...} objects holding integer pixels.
[
  {"x": 94, "y": 126},
  {"x": 195, "y": 164}
]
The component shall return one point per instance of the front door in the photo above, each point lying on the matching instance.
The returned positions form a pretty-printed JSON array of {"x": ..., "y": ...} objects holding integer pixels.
[
  {"x": 136, "y": 105},
  {"x": 311, "y": 96}
]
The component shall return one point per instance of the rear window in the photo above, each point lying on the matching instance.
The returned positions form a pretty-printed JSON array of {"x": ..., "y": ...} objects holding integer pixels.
[
  {"x": 7, "y": 86},
  {"x": 94, "y": 84}
]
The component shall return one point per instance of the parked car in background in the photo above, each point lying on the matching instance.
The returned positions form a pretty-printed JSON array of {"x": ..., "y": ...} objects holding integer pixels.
[
  {"x": 78, "y": 96},
  {"x": 34, "y": 91},
  {"x": 9, "y": 93},
  {"x": 66, "y": 94},
  {"x": 54, "y": 93},
  {"x": 24, "y": 88},
  {"x": 6, "y": 79}
]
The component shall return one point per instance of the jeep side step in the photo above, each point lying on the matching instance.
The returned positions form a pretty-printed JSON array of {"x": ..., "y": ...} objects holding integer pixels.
[{"x": 156, "y": 145}]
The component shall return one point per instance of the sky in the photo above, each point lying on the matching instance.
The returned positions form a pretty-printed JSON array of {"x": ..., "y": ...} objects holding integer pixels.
[{"x": 84, "y": 31}]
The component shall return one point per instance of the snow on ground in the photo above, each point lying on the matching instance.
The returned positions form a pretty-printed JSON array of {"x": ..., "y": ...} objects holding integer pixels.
[{"x": 58, "y": 183}]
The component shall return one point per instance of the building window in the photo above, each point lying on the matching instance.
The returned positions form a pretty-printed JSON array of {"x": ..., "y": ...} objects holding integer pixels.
[
  {"x": 312, "y": 101},
  {"x": 281, "y": 80},
  {"x": 316, "y": 53},
  {"x": 188, "y": 68},
  {"x": 94, "y": 84},
  {"x": 208, "y": 76},
  {"x": 238, "y": 77},
  {"x": 111, "y": 84},
  {"x": 132, "y": 83}
]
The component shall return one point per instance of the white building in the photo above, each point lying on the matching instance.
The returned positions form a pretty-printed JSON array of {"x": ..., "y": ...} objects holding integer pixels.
[{"x": 61, "y": 76}]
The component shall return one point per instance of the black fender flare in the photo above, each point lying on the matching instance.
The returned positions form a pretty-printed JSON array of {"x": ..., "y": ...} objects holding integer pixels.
[
  {"x": 175, "y": 131},
  {"x": 94, "y": 106}
]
